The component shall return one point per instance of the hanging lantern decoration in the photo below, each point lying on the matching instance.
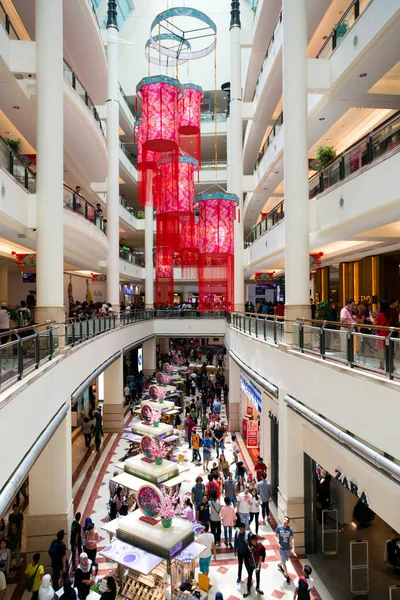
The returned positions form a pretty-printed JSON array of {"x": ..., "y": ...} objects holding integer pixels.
[
  {"x": 189, "y": 247},
  {"x": 164, "y": 277},
  {"x": 261, "y": 277},
  {"x": 174, "y": 198},
  {"x": 315, "y": 259},
  {"x": 216, "y": 250},
  {"x": 160, "y": 96},
  {"x": 189, "y": 122},
  {"x": 147, "y": 167}
]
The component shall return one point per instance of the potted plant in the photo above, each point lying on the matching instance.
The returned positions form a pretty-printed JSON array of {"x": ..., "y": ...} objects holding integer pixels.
[
  {"x": 324, "y": 155},
  {"x": 19, "y": 316},
  {"x": 14, "y": 144},
  {"x": 169, "y": 507},
  {"x": 158, "y": 450},
  {"x": 322, "y": 310}
]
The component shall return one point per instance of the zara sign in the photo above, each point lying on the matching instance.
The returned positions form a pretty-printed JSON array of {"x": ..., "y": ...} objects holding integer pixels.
[{"x": 351, "y": 486}]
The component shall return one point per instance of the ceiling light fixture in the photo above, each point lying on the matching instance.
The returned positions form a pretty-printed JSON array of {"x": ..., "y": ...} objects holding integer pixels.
[
  {"x": 16, "y": 107},
  {"x": 322, "y": 119},
  {"x": 363, "y": 74},
  {"x": 276, "y": 172},
  {"x": 327, "y": 139}
]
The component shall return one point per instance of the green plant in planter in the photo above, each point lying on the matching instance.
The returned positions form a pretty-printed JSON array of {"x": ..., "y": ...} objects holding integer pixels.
[
  {"x": 324, "y": 155},
  {"x": 19, "y": 317},
  {"x": 322, "y": 311},
  {"x": 14, "y": 144}
]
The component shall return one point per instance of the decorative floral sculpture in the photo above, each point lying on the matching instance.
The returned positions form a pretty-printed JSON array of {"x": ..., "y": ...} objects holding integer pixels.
[
  {"x": 155, "y": 417},
  {"x": 157, "y": 450},
  {"x": 169, "y": 507}
]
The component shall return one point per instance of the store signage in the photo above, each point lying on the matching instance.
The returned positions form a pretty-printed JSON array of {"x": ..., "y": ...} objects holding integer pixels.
[
  {"x": 251, "y": 391},
  {"x": 127, "y": 290},
  {"x": 351, "y": 486},
  {"x": 252, "y": 434}
]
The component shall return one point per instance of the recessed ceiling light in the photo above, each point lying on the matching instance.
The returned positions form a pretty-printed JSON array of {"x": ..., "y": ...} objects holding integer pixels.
[
  {"x": 16, "y": 107},
  {"x": 324, "y": 37},
  {"x": 224, "y": 97},
  {"x": 360, "y": 107},
  {"x": 363, "y": 74},
  {"x": 8, "y": 132},
  {"x": 322, "y": 118},
  {"x": 327, "y": 139},
  {"x": 276, "y": 172}
]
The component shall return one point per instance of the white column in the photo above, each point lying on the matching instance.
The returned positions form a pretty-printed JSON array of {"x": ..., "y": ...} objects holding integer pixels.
[
  {"x": 297, "y": 270},
  {"x": 148, "y": 256},
  {"x": 149, "y": 357},
  {"x": 49, "y": 168},
  {"x": 50, "y": 493},
  {"x": 113, "y": 169},
  {"x": 291, "y": 471},
  {"x": 113, "y": 407},
  {"x": 236, "y": 160},
  {"x": 3, "y": 282}
]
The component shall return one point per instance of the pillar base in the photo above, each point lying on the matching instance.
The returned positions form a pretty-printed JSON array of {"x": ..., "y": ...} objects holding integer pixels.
[
  {"x": 239, "y": 308},
  {"x": 149, "y": 307},
  {"x": 234, "y": 415},
  {"x": 113, "y": 417},
  {"x": 292, "y": 313},
  {"x": 294, "y": 509},
  {"x": 42, "y": 530}
]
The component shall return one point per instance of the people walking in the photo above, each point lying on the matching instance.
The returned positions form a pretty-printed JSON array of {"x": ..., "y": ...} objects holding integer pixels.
[
  {"x": 215, "y": 517},
  {"x": 255, "y": 559},
  {"x": 244, "y": 504},
  {"x": 228, "y": 518},
  {"x": 255, "y": 504},
  {"x": 285, "y": 539},
  {"x": 241, "y": 549},
  {"x": 264, "y": 490},
  {"x": 34, "y": 572}
]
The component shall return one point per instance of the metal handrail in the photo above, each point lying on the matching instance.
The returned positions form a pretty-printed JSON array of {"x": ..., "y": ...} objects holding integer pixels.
[
  {"x": 8, "y": 26},
  {"x": 333, "y": 38},
  {"x": 87, "y": 100},
  {"x": 79, "y": 205},
  {"x": 274, "y": 131},
  {"x": 129, "y": 155},
  {"x": 275, "y": 216},
  {"x": 363, "y": 152},
  {"x": 26, "y": 177},
  {"x": 314, "y": 337},
  {"x": 271, "y": 41}
]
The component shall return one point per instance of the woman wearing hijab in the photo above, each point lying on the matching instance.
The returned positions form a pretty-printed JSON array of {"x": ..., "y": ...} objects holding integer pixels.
[
  {"x": 46, "y": 591},
  {"x": 83, "y": 576},
  {"x": 111, "y": 591},
  {"x": 69, "y": 592}
]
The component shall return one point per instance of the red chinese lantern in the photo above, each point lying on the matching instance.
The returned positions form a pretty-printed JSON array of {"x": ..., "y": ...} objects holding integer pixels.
[
  {"x": 189, "y": 247},
  {"x": 216, "y": 249},
  {"x": 147, "y": 167},
  {"x": 160, "y": 112},
  {"x": 190, "y": 120},
  {"x": 164, "y": 276},
  {"x": 174, "y": 198}
]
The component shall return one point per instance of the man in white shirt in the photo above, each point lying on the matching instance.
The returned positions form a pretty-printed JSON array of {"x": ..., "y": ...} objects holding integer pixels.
[
  {"x": 244, "y": 504},
  {"x": 206, "y": 539},
  {"x": 4, "y": 321},
  {"x": 347, "y": 318},
  {"x": 235, "y": 450}
]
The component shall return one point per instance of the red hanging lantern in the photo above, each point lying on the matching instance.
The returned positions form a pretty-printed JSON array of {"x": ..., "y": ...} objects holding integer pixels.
[
  {"x": 190, "y": 120},
  {"x": 174, "y": 198},
  {"x": 189, "y": 247},
  {"x": 315, "y": 259},
  {"x": 160, "y": 113},
  {"x": 147, "y": 167},
  {"x": 164, "y": 276},
  {"x": 216, "y": 250}
]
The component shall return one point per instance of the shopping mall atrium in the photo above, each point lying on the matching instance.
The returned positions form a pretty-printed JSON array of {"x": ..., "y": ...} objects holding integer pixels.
[{"x": 199, "y": 289}]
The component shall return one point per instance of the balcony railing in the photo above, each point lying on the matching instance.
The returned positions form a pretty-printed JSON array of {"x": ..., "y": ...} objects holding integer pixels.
[
  {"x": 371, "y": 148},
  {"x": 370, "y": 352},
  {"x": 132, "y": 258},
  {"x": 209, "y": 165},
  {"x": 341, "y": 28},
  {"x": 209, "y": 115},
  {"x": 136, "y": 212},
  {"x": 77, "y": 204},
  {"x": 14, "y": 165},
  {"x": 131, "y": 157},
  {"x": 74, "y": 82},
  {"x": 6, "y": 22},
  {"x": 130, "y": 106},
  {"x": 275, "y": 216},
  {"x": 272, "y": 40},
  {"x": 272, "y": 134},
  {"x": 26, "y": 349}
]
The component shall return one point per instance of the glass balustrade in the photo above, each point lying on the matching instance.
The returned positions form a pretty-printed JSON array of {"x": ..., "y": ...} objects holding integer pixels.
[
  {"x": 340, "y": 30},
  {"x": 74, "y": 82}
]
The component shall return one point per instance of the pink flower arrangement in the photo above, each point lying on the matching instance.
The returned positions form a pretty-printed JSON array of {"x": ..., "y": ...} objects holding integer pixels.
[
  {"x": 157, "y": 449},
  {"x": 154, "y": 416},
  {"x": 170, "y": 504}
]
